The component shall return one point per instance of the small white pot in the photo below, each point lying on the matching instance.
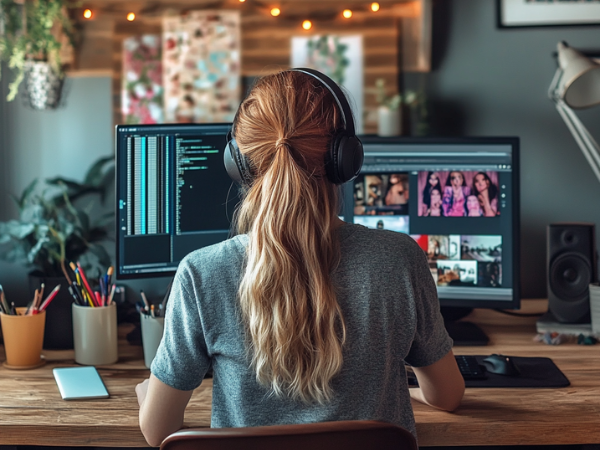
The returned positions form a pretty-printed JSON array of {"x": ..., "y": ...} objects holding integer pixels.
[{"x": 389, "y": 121}]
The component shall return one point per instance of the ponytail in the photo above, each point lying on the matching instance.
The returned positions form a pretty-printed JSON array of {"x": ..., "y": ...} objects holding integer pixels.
[{"x": 295, "y": 326}]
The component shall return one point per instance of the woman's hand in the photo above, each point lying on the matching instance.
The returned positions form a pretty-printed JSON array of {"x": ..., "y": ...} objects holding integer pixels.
[{"x": 484, "y": 201}]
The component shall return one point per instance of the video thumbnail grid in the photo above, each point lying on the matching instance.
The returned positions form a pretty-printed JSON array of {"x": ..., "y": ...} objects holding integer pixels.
[
  {"x": 458, "y": 193},
  {"x": 463, "y": 260}
]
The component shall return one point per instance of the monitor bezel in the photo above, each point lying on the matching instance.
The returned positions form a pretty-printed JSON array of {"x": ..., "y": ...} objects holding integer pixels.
[
  {"x": 155, "y": 274},
  {"x": 514, "y": 142}
]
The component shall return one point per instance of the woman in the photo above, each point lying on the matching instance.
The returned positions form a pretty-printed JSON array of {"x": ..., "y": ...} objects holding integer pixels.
[
  {"x": 294, "y": 313},
  {"x": 472, "y": 207},
  {"x": 435, "y": 199},
  {"x": 456, "y": 192},
  {"x": 433, "y": 182},
  {"x": 486, "y": 193}
]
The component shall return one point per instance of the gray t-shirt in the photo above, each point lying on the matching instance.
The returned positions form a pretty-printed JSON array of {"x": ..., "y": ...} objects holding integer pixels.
[{"x": 389, "y": 303}]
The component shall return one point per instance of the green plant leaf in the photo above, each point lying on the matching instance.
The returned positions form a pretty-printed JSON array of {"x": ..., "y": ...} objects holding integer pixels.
[{"x": 96, "y": 173}]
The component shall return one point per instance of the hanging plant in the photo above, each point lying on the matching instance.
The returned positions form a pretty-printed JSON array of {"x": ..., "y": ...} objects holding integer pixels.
[{"x": 32, "y": 33}]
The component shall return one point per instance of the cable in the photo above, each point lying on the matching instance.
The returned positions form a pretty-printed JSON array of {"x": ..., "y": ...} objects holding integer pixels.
[{"x": 510, "y": 313}]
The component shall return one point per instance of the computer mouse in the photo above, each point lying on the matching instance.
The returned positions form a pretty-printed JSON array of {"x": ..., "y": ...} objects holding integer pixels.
[{"x": 501, "y": 365}]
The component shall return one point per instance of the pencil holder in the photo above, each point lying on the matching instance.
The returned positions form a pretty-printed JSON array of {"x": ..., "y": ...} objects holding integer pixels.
[
  {"x": 152, "y": 331},
  {"x": 23, "y": 339},
  {"x": 95, "y": 334}
]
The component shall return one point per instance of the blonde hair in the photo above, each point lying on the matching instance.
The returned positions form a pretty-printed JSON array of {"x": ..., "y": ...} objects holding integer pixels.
[{"x": 295, "y": 324}]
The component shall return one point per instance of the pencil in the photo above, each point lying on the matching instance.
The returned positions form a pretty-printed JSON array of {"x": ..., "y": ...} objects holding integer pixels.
[{"x": 85, "y": 282}]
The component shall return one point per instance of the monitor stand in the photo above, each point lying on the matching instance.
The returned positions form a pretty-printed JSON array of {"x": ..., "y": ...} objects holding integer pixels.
[{"x": 462, "y": 332}]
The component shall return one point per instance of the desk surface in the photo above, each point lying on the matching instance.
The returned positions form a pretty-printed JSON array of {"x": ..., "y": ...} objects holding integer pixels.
[{"x": 33, "y": 413}]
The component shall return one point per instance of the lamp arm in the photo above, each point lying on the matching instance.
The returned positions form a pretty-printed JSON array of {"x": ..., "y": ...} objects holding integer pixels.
[{"x": 587, "y": 144}]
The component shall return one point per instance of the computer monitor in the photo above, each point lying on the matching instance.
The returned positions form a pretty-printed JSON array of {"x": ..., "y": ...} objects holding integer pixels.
[
  {"x": 173, "y": 195},
  {"x": 459, "y": 199}
]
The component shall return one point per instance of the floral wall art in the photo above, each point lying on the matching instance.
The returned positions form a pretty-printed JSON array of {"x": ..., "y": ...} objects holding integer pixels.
[{"x": 142, "y": 92}]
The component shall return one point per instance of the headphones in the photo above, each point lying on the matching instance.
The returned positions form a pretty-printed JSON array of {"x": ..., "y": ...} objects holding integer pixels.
[{"x": 343, "y": 160}]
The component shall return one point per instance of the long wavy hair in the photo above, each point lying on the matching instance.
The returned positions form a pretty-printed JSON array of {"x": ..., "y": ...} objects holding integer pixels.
[{"x": 295, "y": 326}]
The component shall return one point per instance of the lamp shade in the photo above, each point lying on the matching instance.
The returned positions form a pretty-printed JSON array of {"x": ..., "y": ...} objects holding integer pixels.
[{"x": 580, "y": 83}]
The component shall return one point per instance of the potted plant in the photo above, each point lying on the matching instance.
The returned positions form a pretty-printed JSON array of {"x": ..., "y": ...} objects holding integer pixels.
[
  {"x": 53, "y": 230},
  {"x": 32, "y": 35}
]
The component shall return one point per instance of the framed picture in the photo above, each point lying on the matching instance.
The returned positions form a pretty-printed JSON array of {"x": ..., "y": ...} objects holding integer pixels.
[{"x": 544, "y": 13}]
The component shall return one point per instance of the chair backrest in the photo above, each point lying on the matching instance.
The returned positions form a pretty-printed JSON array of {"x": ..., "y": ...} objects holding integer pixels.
[{"x": 343, "y": 435}]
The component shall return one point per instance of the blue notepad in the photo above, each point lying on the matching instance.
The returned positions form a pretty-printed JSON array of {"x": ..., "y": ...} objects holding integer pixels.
[{"x": 77, "y": 383}]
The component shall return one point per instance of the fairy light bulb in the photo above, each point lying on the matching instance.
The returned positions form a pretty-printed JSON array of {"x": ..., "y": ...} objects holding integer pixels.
[
  {"x": 275, "y": 12},
  {"x": 87, "y": 13},
  {"x": 242, "y": 1},
  {"x": 347, "y": 13},
  {"x": 131, "y": 17},
  {"x": 307, "y": 24},
  {"x": 374, "y": 6}
]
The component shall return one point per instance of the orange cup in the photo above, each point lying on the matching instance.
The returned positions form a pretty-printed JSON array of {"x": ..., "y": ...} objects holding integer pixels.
[{"x": 23, "y": 339}]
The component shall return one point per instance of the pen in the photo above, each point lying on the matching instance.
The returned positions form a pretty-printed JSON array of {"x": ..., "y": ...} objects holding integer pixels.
[
  {"x": 112, "y": 293},
  {"x": 146, "y": 303},
  {"x": 50, "y": 297}
]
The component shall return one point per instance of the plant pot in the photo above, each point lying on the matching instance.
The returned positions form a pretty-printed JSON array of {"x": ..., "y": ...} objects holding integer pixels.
[
  {"x": 42, "y": 85},
  {"x": 389, "y": 121},
  {"x": 58, "y": 333}
]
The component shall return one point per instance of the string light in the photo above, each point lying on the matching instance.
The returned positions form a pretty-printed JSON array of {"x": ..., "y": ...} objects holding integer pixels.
[
  {"x": 307, "y": 24},
  {"x": 374, "y": 6},
  {"x": 242, "y": 1},
  {"x": 275, "y": 12},
  {"x": 87, "y": 13},
  {"x": 131, "y": 17},
  {"x": 347, "y": 13}
]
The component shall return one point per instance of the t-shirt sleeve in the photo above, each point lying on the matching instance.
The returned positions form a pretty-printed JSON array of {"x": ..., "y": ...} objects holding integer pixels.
[
  {"x": 431, "y": 341},
  {"x": 182, "y": 359}
]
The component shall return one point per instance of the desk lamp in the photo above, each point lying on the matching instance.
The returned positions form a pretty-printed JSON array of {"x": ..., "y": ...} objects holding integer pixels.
[{"x": 576, "y": 84}]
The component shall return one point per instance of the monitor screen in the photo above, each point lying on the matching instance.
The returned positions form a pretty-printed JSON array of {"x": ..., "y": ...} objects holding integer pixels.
[
  {"x": 458, "y": 199},
  {"x": 173, "y": 195}
]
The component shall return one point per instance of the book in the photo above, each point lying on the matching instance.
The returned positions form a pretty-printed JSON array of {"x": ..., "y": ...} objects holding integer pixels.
[
  {"x": 79, "y": 383},
  {"x": 548, "y": 323}
]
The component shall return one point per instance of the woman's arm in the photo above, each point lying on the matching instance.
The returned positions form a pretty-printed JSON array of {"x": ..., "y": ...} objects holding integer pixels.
[
  {"x": 441, "y": 384},
  {"x": 161, "y": 409}
]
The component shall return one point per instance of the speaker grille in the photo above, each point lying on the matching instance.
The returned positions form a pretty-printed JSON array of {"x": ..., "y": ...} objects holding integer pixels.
[{"x": 570, "y": 276}]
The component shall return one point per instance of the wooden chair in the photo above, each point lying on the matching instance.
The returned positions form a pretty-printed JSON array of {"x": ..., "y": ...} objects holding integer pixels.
[{"x": 344, "y": 435}]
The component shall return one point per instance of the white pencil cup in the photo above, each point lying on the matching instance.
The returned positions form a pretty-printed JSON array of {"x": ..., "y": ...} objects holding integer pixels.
[
  {"x": 152, "y": 332},
  {"x": 595, "y": 307},
  {"x": 95, "y": 334}
]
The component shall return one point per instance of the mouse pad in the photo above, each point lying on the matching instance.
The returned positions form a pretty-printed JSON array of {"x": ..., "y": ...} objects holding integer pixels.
[{"x": 535, "y": 372}]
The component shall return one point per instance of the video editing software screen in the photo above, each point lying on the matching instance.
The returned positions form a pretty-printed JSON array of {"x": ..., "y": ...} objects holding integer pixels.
[
  {"x": 173, "y": 195},
  {"x": 458, "y": 199}
]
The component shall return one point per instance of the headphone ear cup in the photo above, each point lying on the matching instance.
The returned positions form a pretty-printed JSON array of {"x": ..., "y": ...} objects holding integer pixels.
[
  {"x": 235, "y": 164},
  {"x": 344, "y": 159}
]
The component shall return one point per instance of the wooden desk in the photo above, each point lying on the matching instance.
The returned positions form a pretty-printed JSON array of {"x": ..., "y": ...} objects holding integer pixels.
[{"x": 32, "y": 412}]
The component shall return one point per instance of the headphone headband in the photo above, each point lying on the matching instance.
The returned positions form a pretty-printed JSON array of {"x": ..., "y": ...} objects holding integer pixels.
[
  {"x": 337, "y": 93},
  {"x": 344, "y": 158}
]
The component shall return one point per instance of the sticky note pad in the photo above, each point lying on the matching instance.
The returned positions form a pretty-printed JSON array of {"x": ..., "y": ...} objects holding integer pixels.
[{"x": 77, "y": 383}]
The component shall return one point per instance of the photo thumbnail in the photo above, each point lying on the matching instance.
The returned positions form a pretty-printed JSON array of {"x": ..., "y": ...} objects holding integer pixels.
[
  {"x": 481, "y": 248},
  {"x": 456, "y": 273},
  {"x": 438, "y": 247},
  {"x": 381, "y": 194},
  {"x": 392, "y": 223},
  {"x": 489, "y": 274},
  {"x": 458, "y": 193}
]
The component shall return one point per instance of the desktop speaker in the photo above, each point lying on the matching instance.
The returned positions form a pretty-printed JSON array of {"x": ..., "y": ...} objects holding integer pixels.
[{"x": 571, "y": 268}]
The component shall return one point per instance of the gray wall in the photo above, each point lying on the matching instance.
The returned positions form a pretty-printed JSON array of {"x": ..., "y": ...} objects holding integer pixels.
[
  {"x": 485, "y": 81},
  {"x": 489, "y": 81}
]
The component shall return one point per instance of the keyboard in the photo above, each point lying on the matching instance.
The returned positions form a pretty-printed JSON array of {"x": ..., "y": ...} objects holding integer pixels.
[{"x": 470, "y": 368}]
